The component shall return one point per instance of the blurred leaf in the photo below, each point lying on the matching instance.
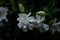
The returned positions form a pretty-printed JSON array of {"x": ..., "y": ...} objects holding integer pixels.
[
  {"x": 50, "y": 23},
  {"x": 12, "y": 2},
  {"x": 14, "y": 8},
  {"x": 45, "y": 9},
  {"x": 51, "y": 6},
  {"x": 13, "y": 5},
  {"x": 1, "y": 2}
]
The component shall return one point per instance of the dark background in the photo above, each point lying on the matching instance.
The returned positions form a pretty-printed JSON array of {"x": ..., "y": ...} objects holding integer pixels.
[{"x": 10, "y": 31}]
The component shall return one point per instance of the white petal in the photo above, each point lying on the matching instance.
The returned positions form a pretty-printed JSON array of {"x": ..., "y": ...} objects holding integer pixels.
[
  {"x": 6, "y": 9},
  {"x": 22, "y": 15},
  {"x": 40, "y": 18},
  {"x": 31, "y": 19},
  {"x": 30, "y": 26},
  {"x": 58, "y": 23},
  {"x": 17, "y": 19},
  {"x": 55, "y": 20},
  {"x": 19, "y": 25},
  {"x": 58, "y": 30},
  {"x": 45, "y": 26},
  {"x": 24, "y": 28},
  {"x": 29, "y": 14}
]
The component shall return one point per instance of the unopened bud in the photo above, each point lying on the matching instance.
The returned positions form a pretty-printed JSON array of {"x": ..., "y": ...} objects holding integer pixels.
[{"x": 21, "y": 8}]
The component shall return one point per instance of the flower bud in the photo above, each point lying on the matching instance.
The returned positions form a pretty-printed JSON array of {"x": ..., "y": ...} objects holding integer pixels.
[{"x": 21, "y": 8}]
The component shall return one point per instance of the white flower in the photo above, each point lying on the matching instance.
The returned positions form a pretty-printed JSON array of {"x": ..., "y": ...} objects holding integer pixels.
[
  {"x": 38, "y": 21},
  {"x": 24, "y": 20},
  {"x": 31, "y": 19},
  {"x": 3, "y": 13},
  {"x": 30, "y": 26},
  {"x": 40, "y": 16},
  {"x": 24, "y": 28},
  {"x": 55, "y": 27}
]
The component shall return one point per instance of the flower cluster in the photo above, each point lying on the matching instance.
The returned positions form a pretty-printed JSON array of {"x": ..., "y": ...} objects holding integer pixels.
[{"x": 27, "y": 22}]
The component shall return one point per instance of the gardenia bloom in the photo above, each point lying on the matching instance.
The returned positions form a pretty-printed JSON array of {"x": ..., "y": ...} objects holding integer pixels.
[
  {"x": 3, "y": 13},
  {"x": 24, "y": 20}
]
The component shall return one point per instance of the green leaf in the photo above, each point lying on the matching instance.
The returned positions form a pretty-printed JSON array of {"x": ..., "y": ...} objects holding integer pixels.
[
  {"x": 1, "y": 2},
  {"x": 12, "y": 2},
  {"x": 50, "y": 23}
]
